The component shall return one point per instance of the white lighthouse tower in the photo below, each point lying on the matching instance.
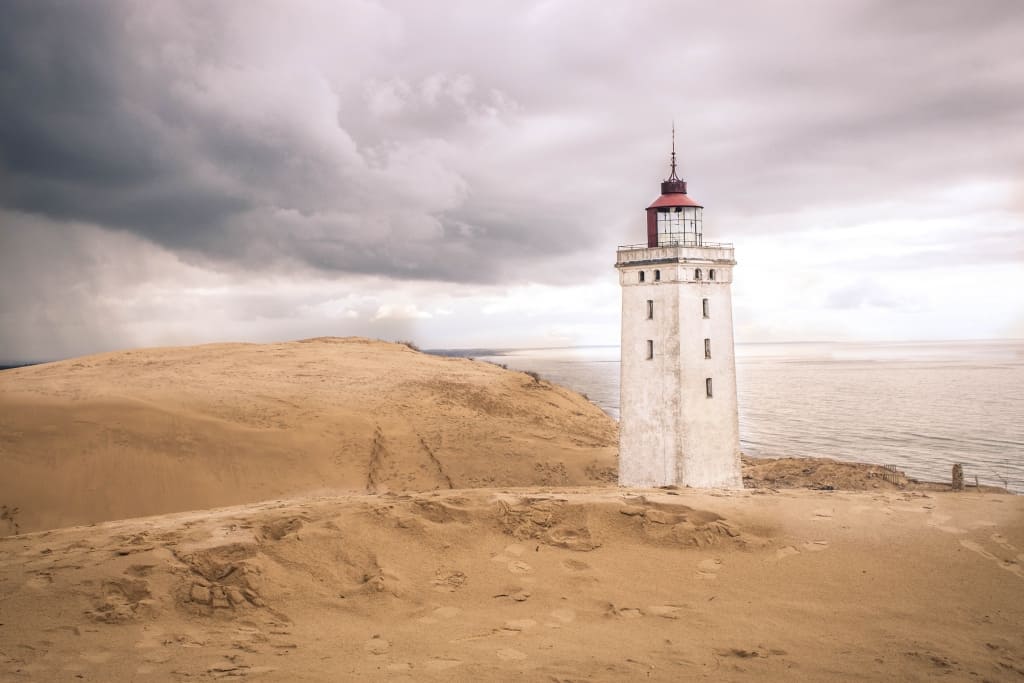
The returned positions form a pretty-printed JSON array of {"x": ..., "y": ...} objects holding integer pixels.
[{"x": 678, "y": 417}]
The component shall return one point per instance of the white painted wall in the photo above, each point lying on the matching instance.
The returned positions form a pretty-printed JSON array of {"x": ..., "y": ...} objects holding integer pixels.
[{"x": 670, "y": 432}]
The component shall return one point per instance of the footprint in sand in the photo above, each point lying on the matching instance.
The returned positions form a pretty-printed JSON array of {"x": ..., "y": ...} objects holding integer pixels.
[
  {"x": 514, "y": 627},
  {"x": 508, "y": 554},
  {"x": 509, "y": 655},
  {"x": 627, "y": 612},
  {"x": 515, "y": 550},
  {"x": 664, "y": 611},
  {"x": 39, "y": 582},
  {"x": 788, "y": 551},
  {"x": 808, "y": 547},
  {"x": 441, "y": 663},
  {"x": 514, "y": 593},
  {"x": 97, "y": 657},
  {"x": 814, "y": 546},
  {"x": 563, "y": 616},
  {"x": 938, "y": 520},
  {"x": 1006, "y": 545},
  {"x": 377, "y": 646},
  {"x": 575, "y": 565},
  {"x": 519, "y": 567},
  {"x": 708, "y": 569},
  {"x": 449, "y": 581},
  {"x": 982, "y": 523},
  {"x": 1009, "y": 565},
  {"x": 446, "y": 612},
  {"x": 976, "y": 547}
]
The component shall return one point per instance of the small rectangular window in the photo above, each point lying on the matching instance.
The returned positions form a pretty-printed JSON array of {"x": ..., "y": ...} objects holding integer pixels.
[
  {"x": 650, "y": 309},
  {"x": 657, "y": 275},
  {"x": 707, "y": 348},
  {"x": 707, "y": 385},
  {"x": 641, "y": 276},
  {"x": 705, "y": 308},
  {"x": 650, "y": 349}
]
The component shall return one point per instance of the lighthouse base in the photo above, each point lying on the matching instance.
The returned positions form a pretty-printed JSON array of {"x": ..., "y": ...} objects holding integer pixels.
[{"x": 641, "y": 470}]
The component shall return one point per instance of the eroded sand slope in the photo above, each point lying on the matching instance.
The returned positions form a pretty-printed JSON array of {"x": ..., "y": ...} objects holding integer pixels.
[
  {"x": 150, "y": 431},
  {"x": 541, "y": 584}
]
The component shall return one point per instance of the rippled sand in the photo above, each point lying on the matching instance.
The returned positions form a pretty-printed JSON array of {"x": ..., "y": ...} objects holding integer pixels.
[{"x": 528, "y": 584}]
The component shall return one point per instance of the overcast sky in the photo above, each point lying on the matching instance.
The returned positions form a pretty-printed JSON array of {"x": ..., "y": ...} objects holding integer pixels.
[{"x": 460, "y": 173}]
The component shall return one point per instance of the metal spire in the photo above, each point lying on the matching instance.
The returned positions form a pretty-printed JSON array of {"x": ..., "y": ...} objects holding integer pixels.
[
  {"x": 673, "y": 184},
  {"x": 673, "y": 175}
]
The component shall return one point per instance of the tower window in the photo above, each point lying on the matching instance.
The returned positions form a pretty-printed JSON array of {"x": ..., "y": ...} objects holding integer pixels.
[
  {"x": 704, "y": 306},
  {"x": 657, "y": 275},
  {"x": 650, "y": 349},
  {"x": 650, "y": 309},
  {"x": 641, "y": 276},
  {"x": 707, "y": 348},
  {"x": 707, "y": 386},
  {"x": 711, "y": 274},
  {"x": 697, "y": 275}
]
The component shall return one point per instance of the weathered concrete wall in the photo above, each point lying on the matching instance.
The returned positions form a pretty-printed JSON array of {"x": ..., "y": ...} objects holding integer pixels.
[
  {"x": 671, "y": 432},
  {"x": 650, "y": 396}
]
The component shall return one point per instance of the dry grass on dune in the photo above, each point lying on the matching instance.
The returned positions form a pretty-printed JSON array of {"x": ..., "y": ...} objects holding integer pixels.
[{"x": 151, "y": 431}]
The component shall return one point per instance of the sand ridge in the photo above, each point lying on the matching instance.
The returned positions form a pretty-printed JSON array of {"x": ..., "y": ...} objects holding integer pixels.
[
  {"x": 538, "y": 583},
  {"x": 150, "y": 431}
]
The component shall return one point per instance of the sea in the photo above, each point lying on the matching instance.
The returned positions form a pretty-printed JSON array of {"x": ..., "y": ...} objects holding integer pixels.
[{"x": 919, "y": 406}]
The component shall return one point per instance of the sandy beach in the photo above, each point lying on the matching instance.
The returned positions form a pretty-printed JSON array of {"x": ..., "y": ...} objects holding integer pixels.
[
  {"x": 528, "y": 584},
  {"x": 354, "y": 510}
]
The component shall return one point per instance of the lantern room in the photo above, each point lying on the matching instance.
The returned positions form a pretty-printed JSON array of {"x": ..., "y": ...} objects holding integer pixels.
[{"x": 674, "y": 218}]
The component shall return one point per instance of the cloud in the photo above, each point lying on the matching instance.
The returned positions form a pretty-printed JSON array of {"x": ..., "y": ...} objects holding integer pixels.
[
  {"x": 865, "y": 293},
  {"x": 400, "y": 312},
  {"x": 186, "y": 129},
  {"x": 490, "y": 147},
  {"x": 348, "y": 137}
]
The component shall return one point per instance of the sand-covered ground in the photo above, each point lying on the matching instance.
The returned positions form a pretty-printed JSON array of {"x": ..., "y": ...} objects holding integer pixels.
[
  {"x": 342, "y": 509},
  {"x": 150, "y": 431},
  {"x": 539, "y": 584}
]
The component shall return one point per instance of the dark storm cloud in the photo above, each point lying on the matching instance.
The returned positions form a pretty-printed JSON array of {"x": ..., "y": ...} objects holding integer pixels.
[
  {"x": 80, "y": 140},
  {"x": 483, "y": 143},
  {"x": 49, "y": 302}
]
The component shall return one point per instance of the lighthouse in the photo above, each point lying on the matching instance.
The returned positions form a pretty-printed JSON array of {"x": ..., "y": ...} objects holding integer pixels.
[{"x": 678, "y": 415}]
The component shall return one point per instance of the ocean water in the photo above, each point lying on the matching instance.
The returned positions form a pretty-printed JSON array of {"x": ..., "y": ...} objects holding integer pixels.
[{"x": 921, "y": 406}]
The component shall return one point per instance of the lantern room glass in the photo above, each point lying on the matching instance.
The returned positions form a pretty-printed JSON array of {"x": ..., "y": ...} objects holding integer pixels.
[{"x": 680, "y": 225}]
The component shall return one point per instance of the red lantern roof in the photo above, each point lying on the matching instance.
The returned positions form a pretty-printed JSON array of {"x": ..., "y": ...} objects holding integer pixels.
[{"x": 674, "y": 199}]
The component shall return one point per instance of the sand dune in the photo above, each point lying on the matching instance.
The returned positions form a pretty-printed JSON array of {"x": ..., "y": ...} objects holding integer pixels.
[
  {"x": 539, "y": 584},
  {"x": 421, "y": 560},
  {"x": 151, "y": 431}
]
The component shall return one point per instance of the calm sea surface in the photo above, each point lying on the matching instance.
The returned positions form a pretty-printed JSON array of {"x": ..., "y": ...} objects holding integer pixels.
[{"x": 918, "y": 406}]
